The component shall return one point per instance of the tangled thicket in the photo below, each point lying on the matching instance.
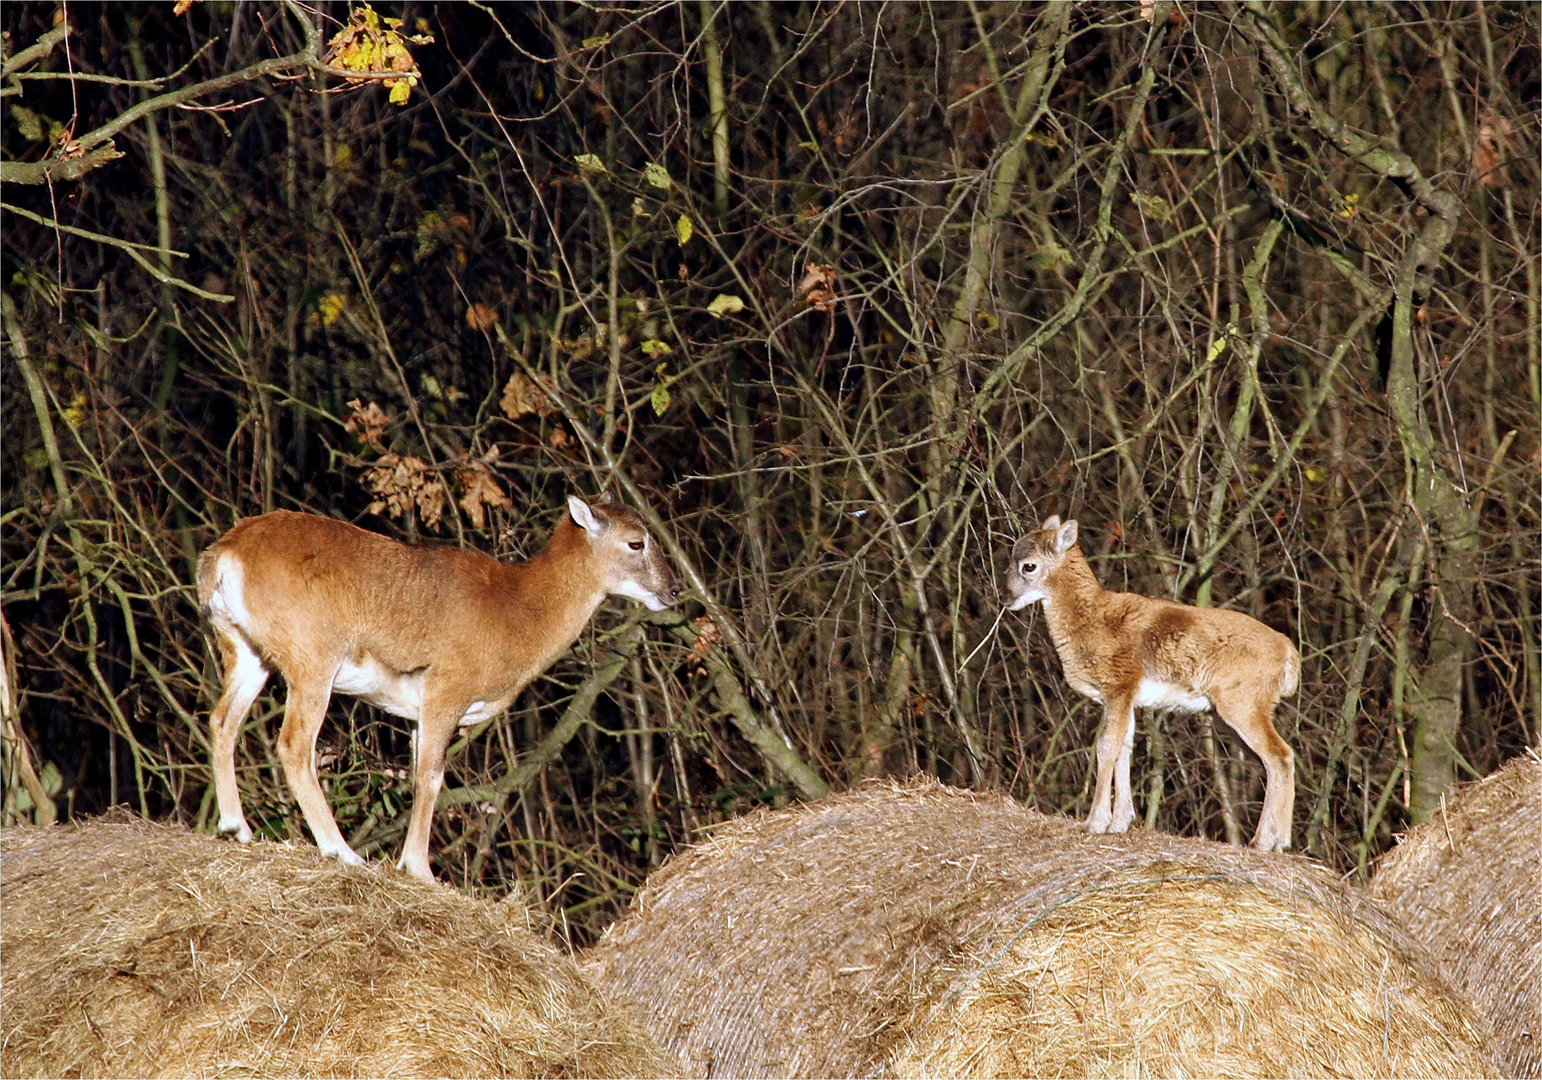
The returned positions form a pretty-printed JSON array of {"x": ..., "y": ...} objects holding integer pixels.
[{"x": 849, "y": 295}]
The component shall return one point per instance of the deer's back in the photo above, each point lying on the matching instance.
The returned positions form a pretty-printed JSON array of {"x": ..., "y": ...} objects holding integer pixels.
[{"x": 301, "y": 584}]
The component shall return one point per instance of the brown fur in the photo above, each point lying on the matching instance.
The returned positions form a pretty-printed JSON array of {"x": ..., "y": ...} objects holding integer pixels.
[
  {"x": 1112, "y": 645},
  {"x": 429, "y": 633}
]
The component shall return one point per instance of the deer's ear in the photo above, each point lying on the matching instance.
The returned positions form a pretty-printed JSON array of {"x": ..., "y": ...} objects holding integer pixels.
[
  {"x": 1065, "y": 537},
  {"x": 607, "y": 497},
  {"x": 1051, "y": 522},
  {"x": 585, "y": 517}
]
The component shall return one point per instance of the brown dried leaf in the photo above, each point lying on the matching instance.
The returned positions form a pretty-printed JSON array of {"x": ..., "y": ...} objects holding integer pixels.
[
  {"x": 405, "y": 483},
  {"x": 524, "y": 397},
  {"x": 431, "y": 499},
  {"x": 368, "y": 422},
  {"x": 481, "y": 318},
  {"x": 707, "y": 635},
  {"x": 479, "y": 490},
  {"x": 818, "y": 286},
  {"x": 1489, "y": 149}
]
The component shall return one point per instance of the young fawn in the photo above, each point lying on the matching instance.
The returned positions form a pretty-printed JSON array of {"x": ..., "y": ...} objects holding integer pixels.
[
  {"x": 440, "y": 636},
  {"x": 1126, "y": 650}
]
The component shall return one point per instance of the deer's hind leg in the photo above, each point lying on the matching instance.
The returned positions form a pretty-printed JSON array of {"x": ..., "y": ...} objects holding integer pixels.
[
  {"x": 1252, "y": 718},
  {"x": 304, "y": 711},
  {"x": 244, "y": 676}
]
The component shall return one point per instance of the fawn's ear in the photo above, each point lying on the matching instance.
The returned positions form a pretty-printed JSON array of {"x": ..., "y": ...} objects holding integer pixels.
[
  {"x": 1052, "y": 522},
  {"x": 585, "y": 517},
  {"x": 1065, "y": 537}
]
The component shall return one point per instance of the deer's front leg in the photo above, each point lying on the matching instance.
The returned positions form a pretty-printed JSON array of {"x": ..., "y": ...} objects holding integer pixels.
[
  {"x": 435, "y": 730},
  {"x": 1114, "y": 744}
]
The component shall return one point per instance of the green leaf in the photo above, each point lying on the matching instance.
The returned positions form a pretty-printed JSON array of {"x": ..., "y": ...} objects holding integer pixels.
[
  {"x": 1216, "y": 349},
  {"x": 683, "y": 230},
  {"x": 1153, "y": 206},
  {"x": 27, "y": 123},
  {"x": 638, "y": 209},
  {"x": 659, "y": 399},
  {"x": 657, "y": 176},
  {"x": 590, "y": 163},
  {"x": 724, "y": 304},
  {"x": 596, "y": 42},
  {"x": 654, "y": 348}
]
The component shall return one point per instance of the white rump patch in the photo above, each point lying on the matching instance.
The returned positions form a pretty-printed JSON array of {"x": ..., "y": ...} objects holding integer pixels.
[{"x": 227, "y": 603}]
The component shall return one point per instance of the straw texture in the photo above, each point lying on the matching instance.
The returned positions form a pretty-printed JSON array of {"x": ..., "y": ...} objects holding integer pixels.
[
  {"x": 135, "y": 949},
  {"x": 918, "y": 930},
  {"x": 1468, "y": 883}
]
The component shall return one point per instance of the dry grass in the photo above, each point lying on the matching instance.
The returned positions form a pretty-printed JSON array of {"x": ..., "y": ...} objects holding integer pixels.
[
  {"x": 917, "y": 930},
  {"x": 1469, "y": 884},
  {"x": 134, "y": 949}
]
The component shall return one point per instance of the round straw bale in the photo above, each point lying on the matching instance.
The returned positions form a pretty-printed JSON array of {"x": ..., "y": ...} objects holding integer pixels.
[
  {"x": 1468, "y": 883},
  {"x": 136, "y": 949},
  {"x": 918, "y": 930}
]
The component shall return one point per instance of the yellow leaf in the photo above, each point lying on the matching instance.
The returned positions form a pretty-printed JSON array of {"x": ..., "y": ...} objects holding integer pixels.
[
  {"x": 330, "y": 307},
  {"x": 76, "y": 411},
  {"x": 638, "y": 209},
  {"x": 1216, "y": 349},
  {"x": 401, "y": 92},
  {"x": 659, "y": 399},
  {"x": 589, "y": 163},
  {"x": 656, "y": 175},
  {"x": 653, "y": 347},
  {"x": 1313, "y": 474},
  {"x": 596, "y": 42},
  {"x": 724, "y": 304},
  {"x": 683, "y": 230}
]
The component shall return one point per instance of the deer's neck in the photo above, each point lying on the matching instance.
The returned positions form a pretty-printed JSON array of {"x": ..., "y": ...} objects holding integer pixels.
[
  {"x": 553, "y": 595},
  {"x": 1073, "y": 602}
]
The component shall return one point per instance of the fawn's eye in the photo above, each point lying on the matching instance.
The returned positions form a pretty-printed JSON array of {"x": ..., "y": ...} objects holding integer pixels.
[
  {"x": 1029, "y": 567},
  {"x": 636, "y": 545}
]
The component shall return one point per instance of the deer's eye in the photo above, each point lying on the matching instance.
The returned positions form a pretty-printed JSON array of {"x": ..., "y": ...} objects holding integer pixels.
[
  {"x": 1029, "y": 567},
  {"x": 636, "y": 545}
]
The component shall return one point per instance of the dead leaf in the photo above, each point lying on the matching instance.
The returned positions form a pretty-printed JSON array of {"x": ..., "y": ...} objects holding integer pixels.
[
  {"x": 707, "y": 635},
  {"x": 404, "y": 483},
  {"x": 481, "y": 318},
  {"x": 479, "y": 490},
  {"x": 1489, "y": 149},
  {"x": 368, "y": 422},
  {"x": 523, "y": 397},
  {"x": 818, "y": 286}
]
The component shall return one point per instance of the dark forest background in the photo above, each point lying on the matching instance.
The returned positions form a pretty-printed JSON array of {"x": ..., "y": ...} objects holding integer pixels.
[{"x": 845, "y": 297}]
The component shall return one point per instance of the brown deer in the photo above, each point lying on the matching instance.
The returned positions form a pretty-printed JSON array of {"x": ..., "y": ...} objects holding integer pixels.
[
  {"x": 1126, "y": 650},
  {"x": 437, "y": 635}
]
